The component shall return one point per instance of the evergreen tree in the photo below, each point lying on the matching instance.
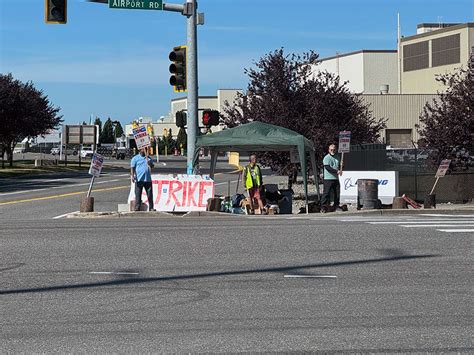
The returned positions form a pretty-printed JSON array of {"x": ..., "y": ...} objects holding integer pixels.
[
  {"x": 118, "y": 130},
  {"x": 107, "y": 135}
]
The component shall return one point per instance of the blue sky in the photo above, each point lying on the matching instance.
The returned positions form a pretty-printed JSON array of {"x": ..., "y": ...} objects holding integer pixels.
[{"x": 110, "y": 62}]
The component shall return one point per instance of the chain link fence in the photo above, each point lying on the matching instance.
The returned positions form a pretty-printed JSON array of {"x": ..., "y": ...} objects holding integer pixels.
[{"x": 417, "y": 171}]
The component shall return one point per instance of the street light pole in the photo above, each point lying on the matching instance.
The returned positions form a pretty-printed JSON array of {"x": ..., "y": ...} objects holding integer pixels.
[{"x": 192, "y": 83}]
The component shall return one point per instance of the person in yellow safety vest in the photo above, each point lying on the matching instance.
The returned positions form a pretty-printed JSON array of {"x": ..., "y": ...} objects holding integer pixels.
[{"x": 252, "y": 178}]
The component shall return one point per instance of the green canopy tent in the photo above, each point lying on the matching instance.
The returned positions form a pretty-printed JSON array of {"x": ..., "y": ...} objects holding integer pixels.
[{"x": 260, "y": 137}]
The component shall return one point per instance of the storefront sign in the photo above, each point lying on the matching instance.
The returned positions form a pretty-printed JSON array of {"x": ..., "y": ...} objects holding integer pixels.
[
  {"x": 388, "y": 184},
  {"x": 181, "y": 193}
]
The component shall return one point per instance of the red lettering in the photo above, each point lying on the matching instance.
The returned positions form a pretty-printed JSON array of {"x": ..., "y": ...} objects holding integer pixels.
[
  {"x": 173, "y": 190},
  {"x": 159, "y": 187},
  {"x": 185, "y": 193},
  {"x": 191, "y": 189},
  {"x": 202, "y": 191}
]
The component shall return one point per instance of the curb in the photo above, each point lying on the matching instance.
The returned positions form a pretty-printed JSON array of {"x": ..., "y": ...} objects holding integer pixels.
[{"x": 230, "y": 215}]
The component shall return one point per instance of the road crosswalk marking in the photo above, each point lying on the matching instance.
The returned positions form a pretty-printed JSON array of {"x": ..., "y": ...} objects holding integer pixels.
[
  {"x": 445, "y": 223},
  {"x": 456, "y": 230}
]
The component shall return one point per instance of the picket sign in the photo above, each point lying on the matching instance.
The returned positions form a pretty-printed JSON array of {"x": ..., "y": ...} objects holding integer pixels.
[
  {"x": 441, "y": 172},
  {"x": 180, "y": 193},
  {"x": 344, "y": 145},
  {"x": 95, "y": 169},
  {"x": 141, "y": 137}
]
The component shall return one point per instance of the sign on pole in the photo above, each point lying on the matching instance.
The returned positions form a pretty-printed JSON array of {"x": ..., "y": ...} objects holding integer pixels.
[
  {"x": 136, "y": 4},
  {"x": 141, "y": 137},
  {"x": 96, "y": 165},
  {"x": 344, "y": 142},
  {"x": 443, "y": 168}
]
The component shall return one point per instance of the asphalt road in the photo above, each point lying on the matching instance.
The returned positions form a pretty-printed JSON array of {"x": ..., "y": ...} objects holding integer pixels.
[
  {"x": 333, "y": 283},
  {"x": 54, "y": 195},
  {"x": 204, "y": 284}
]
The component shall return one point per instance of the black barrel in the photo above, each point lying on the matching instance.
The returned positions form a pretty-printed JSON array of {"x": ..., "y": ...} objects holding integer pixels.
[{"x": 367, "y": 193}]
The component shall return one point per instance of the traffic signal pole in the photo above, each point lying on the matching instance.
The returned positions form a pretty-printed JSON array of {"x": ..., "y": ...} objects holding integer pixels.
[
  {"x": 192, "y": 85},
  {"x": 188, "y": 9}
]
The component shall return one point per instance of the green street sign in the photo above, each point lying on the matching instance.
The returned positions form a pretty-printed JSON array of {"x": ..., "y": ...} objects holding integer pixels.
[{"x": 136, "y": 4}]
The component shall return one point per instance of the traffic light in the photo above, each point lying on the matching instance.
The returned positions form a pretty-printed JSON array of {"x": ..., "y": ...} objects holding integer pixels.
[
  {"x": 181, "y": 119},
  {"x": 210, "y": 118},
  {"x": 178, "y": 68},
  {"x": 55, "y": 11}
]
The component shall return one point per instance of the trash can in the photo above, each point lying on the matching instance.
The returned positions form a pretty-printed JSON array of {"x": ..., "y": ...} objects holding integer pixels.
[
  {"x": 367, "y": 194},
  {"x": 286, "y": 205}
]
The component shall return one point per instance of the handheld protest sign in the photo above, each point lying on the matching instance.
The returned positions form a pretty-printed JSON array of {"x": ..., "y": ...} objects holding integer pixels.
[
  {"x": 344, "y": 145},
  {"x": 142, "y": 139}
]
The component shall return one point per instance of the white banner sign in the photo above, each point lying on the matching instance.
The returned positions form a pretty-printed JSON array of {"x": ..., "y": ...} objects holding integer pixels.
[
  {"x": 96, "y": 165},
  {"x": 344, "y": 142},
  {"x": 141, "y": 137},
  {"x": 388, "y": 184},
  {"x": 180, "y": 193}
]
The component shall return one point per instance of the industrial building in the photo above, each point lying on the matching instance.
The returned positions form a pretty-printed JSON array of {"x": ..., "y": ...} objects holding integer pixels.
[{"x": 435, "y": 49}]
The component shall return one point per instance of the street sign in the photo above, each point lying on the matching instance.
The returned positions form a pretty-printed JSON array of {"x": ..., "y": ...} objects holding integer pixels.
[
  {"x": 136, "y": 4},
  {"x": 96, "y": 165},
  {"x": 443, "y": 168},
  {"x": 141, "y": 137},
  {"x": 344, "y": 142}
]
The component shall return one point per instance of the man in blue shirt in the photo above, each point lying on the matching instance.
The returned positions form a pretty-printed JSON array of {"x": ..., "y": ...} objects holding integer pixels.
[
  {"x": 140, "y": 172},
  {"x": 332, "y": 171}
]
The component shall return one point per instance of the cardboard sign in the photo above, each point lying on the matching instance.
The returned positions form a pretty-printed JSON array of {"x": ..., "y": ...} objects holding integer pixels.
[
  {"x": 96, "y": 165},
  {"x": 141, "y": 137},
  {"x": 344, "y": 142},
  {"x": 443, "y": 168},
  {"x": 387, "y": 188},
  {"x": 181, "y": 193}
]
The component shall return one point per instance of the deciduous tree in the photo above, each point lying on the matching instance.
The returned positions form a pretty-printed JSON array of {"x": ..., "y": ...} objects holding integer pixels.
[
  {"x": 284, "y": 90},
  {"x": 447, "y": 123},
  {"x": 25, "y": 111}
]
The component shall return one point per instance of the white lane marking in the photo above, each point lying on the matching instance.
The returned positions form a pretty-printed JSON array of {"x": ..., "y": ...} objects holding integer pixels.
[
  {"x": 426, "y": 221},
  {"x": 436, "y": 225},
  {"x": 311, "y": 276},
  {"x": 113, "y": 273},
  {"x": 456, "y": 230},
  {"x": 65, "y": 215},
  {"x": 447, "y": 215}
]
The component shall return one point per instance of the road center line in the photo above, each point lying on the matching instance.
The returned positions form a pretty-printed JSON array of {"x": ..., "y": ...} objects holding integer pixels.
[{"x": 63, "y": 195}]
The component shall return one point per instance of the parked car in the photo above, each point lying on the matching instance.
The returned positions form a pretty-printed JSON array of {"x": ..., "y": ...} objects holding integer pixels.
[
  {"x": 57, "y": 151},
  {"x": 87, "y": 153}
]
